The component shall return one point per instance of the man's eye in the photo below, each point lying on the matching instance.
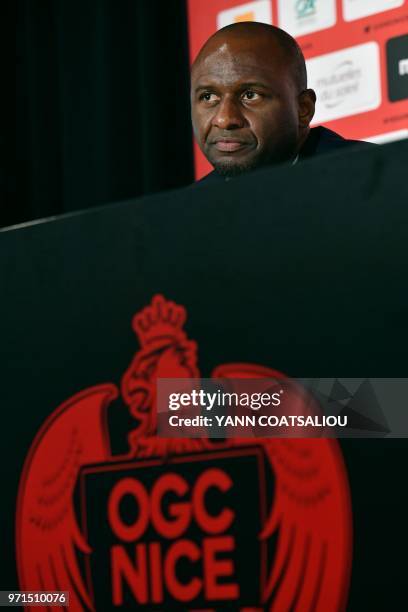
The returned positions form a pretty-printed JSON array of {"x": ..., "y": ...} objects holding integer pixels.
[
  {"x": 250, "y": 95},
  {"x": 208, "y": 97}
]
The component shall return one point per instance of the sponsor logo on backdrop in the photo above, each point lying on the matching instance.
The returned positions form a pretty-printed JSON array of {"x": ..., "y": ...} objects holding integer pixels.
[
  {"x": 397, "y": 68},
  {"x": 355, "y": 9},
  {"x": 346, "y": 82},
  {"x": 299, "y": 17},
  {"x": 176, "y": 524},
  {"x": 261, "y": 10},
  {"x": 305, "y": 8}
]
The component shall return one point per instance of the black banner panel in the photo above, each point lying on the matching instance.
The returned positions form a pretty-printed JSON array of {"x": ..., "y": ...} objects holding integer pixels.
[{"x": 289, "y": 273}]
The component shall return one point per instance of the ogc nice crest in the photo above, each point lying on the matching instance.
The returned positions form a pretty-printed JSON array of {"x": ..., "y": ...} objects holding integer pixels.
[{"x": 179, "y": 524}]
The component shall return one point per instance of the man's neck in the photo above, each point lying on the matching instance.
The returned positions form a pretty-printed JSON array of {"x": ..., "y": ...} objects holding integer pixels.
[{"x": 302, "y": 140}]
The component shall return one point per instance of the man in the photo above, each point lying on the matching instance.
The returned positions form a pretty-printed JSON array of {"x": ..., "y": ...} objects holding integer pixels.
[{"x": 250, "y": 103}]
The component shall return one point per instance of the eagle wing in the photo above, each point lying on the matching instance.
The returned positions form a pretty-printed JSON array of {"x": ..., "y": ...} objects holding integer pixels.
[
  {"x": 310, "y": 517},
  {"x": 48, "y": 538}
]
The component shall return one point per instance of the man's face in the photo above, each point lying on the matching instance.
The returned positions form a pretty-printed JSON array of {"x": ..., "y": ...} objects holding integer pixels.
[{"x": 244, "y": 105}]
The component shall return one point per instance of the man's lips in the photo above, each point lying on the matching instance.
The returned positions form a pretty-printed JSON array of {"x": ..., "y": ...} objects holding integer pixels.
[{"x": 229, "y": 144}]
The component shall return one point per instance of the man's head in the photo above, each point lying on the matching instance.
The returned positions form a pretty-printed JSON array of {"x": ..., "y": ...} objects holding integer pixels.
[{"x": 250, "y": 102}]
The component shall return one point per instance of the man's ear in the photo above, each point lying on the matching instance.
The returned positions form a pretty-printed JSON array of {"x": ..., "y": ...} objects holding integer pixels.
[{"x": 307, "y": 101}]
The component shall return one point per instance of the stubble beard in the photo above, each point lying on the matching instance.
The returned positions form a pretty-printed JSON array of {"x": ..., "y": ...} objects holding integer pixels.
[{"x": 230, "y": 169}]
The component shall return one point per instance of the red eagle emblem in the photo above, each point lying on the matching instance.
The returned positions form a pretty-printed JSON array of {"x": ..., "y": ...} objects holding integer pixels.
[{"x": 308, "y": 517}]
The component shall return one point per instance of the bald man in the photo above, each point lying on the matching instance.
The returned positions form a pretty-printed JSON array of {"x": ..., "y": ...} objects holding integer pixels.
[{"x": 250, "y": 103}]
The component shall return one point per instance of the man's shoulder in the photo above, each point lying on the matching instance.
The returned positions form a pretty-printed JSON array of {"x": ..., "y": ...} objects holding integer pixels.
[{"x": 322, "y": 140}]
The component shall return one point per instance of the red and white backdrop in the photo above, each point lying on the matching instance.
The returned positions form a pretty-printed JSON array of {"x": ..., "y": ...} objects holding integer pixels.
[{"x": 356, "y": 53}]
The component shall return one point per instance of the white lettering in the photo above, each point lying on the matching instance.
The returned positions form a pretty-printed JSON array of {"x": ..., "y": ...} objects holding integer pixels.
[{"x": 403, "y": 67}]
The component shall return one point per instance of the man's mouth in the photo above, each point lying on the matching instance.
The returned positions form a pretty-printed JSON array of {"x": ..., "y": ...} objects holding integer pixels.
[{"x": 229, "y": 145}]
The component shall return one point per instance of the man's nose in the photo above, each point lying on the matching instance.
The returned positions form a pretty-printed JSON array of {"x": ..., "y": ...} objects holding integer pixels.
[{"x": 228, "y": 115}]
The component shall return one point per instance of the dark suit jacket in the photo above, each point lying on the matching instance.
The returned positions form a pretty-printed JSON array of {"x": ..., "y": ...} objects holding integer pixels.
[{"x": 320, "y": 141}]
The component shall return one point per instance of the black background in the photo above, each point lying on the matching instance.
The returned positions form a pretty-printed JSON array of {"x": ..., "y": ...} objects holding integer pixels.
[{"x": 102, "y": 108}]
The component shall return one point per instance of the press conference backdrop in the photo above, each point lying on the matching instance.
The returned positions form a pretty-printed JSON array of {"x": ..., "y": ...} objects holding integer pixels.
[{"x": 356, "y": 53}]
